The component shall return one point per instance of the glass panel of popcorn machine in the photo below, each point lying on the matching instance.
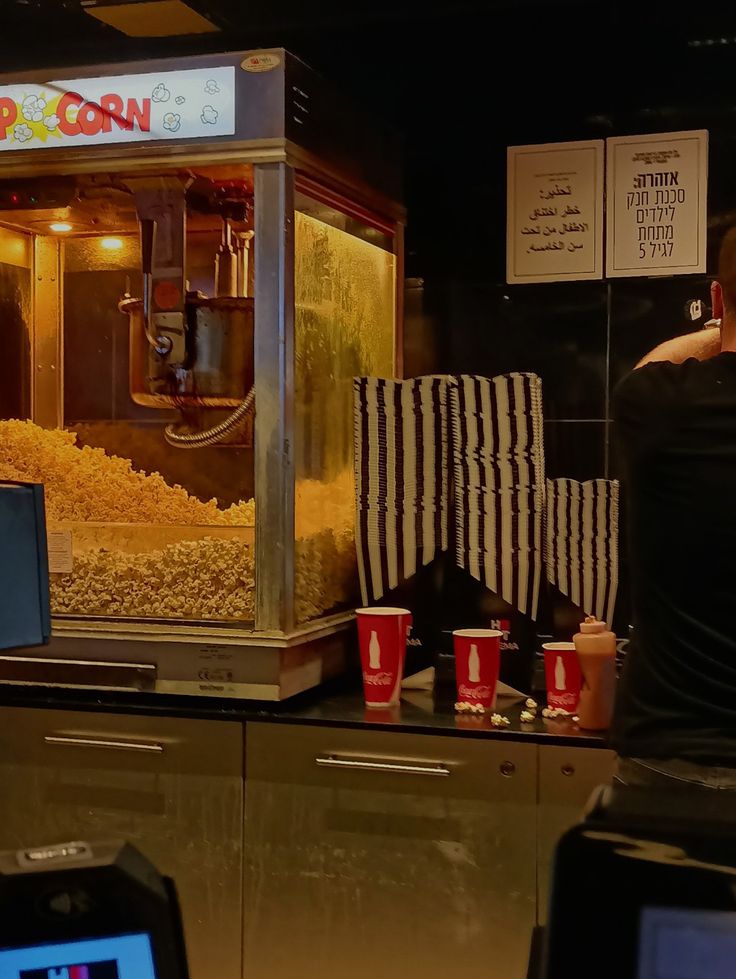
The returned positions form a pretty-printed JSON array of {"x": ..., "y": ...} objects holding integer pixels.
[
  {"x": 158, "y": 509},
  {"x": 345, "y": 291}
]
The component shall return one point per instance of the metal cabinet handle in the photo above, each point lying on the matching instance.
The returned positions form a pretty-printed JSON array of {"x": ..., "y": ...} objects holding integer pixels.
[
  {"x": 369, "y": 765},
  {"x": 568, "y": 770},
  {"x": 146, "y": 746},
  {"x": 507, "y": 769}
]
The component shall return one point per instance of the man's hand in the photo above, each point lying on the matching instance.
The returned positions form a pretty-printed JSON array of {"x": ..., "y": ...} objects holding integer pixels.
[{"x": 701, "y": 345}]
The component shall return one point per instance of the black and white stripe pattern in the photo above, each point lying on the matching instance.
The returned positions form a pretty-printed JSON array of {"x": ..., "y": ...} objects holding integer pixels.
[
  {"x": 401, "y": 479},
  {"x": 582, "y": 543},
  {"x": 498, "y": 458}
]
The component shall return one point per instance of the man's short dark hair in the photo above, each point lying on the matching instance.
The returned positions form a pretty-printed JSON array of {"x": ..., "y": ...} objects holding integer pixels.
[{"x": 727, "y": 269}]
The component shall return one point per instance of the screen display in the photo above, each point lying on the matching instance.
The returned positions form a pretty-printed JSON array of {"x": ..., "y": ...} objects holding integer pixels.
[
  {"x": 118, "y": 957},
  {"x": 679, "y": 943}
]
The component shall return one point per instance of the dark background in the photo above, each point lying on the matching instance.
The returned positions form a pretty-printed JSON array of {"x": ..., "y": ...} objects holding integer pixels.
[{"x": 461, "y": 81}]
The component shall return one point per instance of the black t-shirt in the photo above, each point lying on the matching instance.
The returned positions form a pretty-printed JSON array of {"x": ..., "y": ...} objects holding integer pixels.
[{"x": 676, "y": 428}]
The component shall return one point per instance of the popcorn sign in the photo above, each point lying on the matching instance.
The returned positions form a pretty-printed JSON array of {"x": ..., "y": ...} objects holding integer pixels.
[{"x": 193, "y": 104}]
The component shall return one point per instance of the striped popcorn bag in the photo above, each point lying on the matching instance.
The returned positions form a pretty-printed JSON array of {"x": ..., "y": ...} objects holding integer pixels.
[
  {"x": 499, "y": 485},
  {"x": 401, "y": 479},
  {"x": 581, "y": 551}
]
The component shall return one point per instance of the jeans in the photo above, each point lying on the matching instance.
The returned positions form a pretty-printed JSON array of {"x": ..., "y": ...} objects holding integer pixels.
[{"x": 654, "y": 773}]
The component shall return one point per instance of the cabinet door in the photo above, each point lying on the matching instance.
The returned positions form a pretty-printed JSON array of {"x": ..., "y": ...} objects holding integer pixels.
[
  {"x": 172, "y": 787},
  {"x": 375, "y": 853},
  {"x": 567, "y": 778}
]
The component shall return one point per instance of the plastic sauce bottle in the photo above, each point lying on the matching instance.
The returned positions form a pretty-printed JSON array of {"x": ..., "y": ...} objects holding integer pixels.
[{"x": 596, "y": 649}]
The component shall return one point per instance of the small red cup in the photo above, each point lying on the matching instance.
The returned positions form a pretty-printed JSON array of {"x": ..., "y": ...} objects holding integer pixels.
[
  {"x": 477, "y": 665},
  {"x": 382, "y": 635},
  {"x": 563, "y": 674}
]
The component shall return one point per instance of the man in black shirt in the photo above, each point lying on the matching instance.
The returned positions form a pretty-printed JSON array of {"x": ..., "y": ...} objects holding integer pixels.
[{"x": 676, "y": 424}]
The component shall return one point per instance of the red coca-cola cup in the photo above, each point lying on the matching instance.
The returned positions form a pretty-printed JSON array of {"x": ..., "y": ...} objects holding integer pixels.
[
  {"x": 477, "y": 665},
  {"x": 563, "y": 674},
  {"x": 382, "y": 634}
]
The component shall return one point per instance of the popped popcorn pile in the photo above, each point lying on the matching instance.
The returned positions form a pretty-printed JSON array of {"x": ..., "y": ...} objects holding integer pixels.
[
  {"x": 210, "y": 578},
  {"x": 325, "y": 573},
  {"x": 325, "y": 565},
  {"x": 88, "y": 484}
]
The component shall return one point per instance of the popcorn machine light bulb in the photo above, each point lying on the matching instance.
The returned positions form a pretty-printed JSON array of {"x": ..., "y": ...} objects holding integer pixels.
[
  {"x": 111, "y": 244},
  {"x": 60, "y": 227}
]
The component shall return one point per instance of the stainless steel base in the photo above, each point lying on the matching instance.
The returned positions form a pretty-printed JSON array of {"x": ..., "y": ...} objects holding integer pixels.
[{"x": 204, "y": 661}]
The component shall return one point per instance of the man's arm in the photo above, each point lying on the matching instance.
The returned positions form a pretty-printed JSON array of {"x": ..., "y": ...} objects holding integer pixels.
[{"x": 701, "y": 345}]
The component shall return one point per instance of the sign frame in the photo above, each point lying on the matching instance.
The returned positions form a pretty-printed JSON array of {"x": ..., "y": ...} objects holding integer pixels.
[
  {"x": 650, "y": 191},
  {"x": 555, "y": 159}
]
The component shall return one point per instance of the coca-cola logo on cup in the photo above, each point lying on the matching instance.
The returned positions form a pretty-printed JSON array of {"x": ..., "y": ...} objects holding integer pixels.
[
  {"x": 481, "y": 692},
  {"x": 382, "y": 679}
]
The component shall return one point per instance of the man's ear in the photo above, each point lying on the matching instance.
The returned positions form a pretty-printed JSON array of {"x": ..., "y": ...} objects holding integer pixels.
[{"x": 716, "y": 298}]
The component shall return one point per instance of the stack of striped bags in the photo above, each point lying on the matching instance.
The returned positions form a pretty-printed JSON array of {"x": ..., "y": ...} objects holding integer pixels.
[
  {"x": 582, "y": 543},
  {"x": 476, "y": 444},
  {"x": 401, "y": 479},
  {"x": 498, "y": 465}
]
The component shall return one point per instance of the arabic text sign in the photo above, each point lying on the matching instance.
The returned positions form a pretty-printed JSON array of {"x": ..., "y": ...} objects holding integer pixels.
[
  {"x": 555, "y": 212},
  {"x": 118, "y": 109},
  {"x": 657, "y": 204}
]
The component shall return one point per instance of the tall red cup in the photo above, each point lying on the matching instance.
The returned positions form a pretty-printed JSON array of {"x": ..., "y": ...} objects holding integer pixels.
[
  {"x": 477, "y": 665},
  {"x": 563, "y": 674},
  {"x": 382, "y": 634}
]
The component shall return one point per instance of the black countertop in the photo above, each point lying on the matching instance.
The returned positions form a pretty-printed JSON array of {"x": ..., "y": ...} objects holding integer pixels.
[{"x": 420, "y": 712}]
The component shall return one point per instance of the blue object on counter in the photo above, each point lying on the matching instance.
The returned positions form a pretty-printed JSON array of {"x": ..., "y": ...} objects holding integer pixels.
[{"x": 25, "y": 614}]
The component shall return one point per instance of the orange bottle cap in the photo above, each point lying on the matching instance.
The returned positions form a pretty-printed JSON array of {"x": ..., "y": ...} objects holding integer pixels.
[{"x": 592, "y": 625}]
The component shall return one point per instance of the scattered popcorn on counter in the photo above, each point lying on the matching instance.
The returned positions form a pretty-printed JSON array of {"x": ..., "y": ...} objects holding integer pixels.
[
  {"x": 555, "y": 712},
  {"x": 531, "y": 704},
  {"x": 498, "y": 720},
  {"x": 527, "y": 716},
  {"x": 463, "y": 707}
]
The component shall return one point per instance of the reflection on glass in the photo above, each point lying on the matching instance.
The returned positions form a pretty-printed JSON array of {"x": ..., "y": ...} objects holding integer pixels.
[{"x": 344, "y": 327}]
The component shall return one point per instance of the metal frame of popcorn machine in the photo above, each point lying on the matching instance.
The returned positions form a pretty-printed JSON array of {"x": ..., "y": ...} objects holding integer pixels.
[{"x": 318, "y": 214}]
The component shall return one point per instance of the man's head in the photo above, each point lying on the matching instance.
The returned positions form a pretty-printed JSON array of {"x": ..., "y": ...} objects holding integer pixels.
[{"x": 723, "y": 292}]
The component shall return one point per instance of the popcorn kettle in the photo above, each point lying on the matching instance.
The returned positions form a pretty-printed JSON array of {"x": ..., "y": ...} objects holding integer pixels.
[{"x": 187, "y": 350}]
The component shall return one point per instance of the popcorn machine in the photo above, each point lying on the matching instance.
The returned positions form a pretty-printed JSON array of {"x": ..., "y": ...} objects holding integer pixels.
[{"x": 196, "y": 257}]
